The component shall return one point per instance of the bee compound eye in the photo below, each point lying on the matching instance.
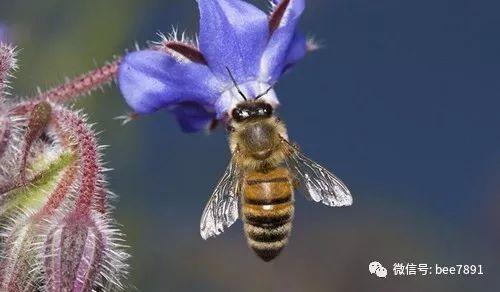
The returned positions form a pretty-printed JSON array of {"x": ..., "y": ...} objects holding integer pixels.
[
  {"x": 235, "y": 114},
  {"x": 239, "y": 114},
  {"x": 268, "y": 110}
]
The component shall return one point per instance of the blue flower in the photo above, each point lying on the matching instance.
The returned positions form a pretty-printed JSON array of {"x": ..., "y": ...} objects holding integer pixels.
[{"x": 190, "y": 78}]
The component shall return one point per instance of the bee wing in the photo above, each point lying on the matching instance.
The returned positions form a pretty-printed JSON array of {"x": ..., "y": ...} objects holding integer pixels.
[
  {"x": 222, "y": 210},
  {"x": 315, "y": 181}
]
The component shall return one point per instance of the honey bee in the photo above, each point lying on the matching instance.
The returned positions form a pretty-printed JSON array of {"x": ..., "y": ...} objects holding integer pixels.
[{"x": 258, "y": 185}]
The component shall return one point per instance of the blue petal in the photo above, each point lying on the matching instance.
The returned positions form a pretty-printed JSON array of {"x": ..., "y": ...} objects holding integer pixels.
[
  {"x": 151, "y": 80},
  {"x": 233, "y": 34},
  {"x": 193, "y": 117},
  {"x": 274, "y": 58},
  {"x": 296, "y": 51}
]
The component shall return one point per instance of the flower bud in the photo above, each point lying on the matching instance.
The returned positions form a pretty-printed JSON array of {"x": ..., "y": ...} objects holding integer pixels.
[
  {"x": 17, "y": 268},
  {"x": 56, "y": 227},
  {"x": 74, "y": 251}
]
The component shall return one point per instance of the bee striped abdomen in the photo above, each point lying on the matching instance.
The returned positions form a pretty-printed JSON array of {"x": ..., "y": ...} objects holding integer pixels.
[{"x": 267, "y": 209}]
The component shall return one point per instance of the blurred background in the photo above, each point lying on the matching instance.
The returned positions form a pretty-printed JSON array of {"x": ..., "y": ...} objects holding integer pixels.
[{"x": 402, "y": 103}]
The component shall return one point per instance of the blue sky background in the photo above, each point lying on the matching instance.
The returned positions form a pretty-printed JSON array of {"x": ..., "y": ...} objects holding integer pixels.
[{"x": 402, "y": 103}]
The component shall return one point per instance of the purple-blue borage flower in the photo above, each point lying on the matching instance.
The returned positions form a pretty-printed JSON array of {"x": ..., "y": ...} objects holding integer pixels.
[{"x": 190, "y": 78}]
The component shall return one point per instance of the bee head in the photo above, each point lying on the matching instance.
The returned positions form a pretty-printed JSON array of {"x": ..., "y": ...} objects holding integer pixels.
[
  {"x": 251, "y": 110},
  {"x": 254, "y": 130}
]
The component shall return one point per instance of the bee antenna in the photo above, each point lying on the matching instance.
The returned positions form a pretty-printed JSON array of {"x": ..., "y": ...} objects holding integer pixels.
[
  {"x": 236, "y": 84},
  {"x": 265, "y": 92}
]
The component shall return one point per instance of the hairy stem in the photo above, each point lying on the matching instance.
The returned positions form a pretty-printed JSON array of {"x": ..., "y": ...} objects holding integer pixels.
[
  {"x": 81, "y": 85},
  {"x": 89, "y": 159}
]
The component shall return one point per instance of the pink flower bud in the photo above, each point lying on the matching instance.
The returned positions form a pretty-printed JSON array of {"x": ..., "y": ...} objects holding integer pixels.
[
  {"x": 15, "y": 261},
  {"x": 74, "y": 252}
]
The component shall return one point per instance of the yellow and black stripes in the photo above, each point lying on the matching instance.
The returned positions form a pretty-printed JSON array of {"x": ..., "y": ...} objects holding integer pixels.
[{"x": 267, "y": 211}]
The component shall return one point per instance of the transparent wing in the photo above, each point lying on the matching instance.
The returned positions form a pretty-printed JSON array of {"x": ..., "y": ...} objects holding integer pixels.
[
  {"x": 315, "y": 181},
  {"x": 223, "y": 207}
]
